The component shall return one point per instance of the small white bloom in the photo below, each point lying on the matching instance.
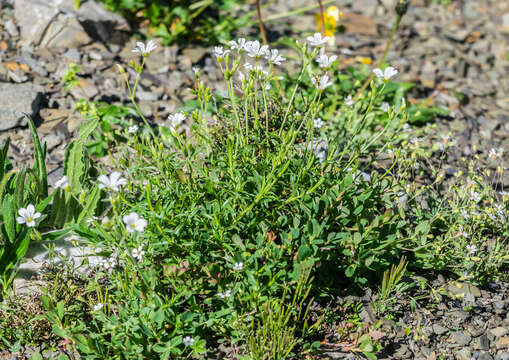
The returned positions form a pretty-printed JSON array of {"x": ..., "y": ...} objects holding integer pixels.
[
  {"x": 475, "y": 196},
  {"x": 318, "y": 123},
  {"x": 268, "y": 86},
  {"x": 407, "y": 128},
  {"x": 465, "y": 214},
  {"x": 219, "y": 52},
  {"x": 28, "y": 215},
  {"x": 387, "y": 74},
  {"x": 256, "y": 50},
  {"x": 496, "y": 153},
  {"x": 349, "y": 101},
  {"x": 113, "y": 182},
  {"x": 145, "y": 49},
  {"x": 239, "y": 45},
  {"x": 317, "y": 40},
  {"x": 472, "y": 249},
  {"x": 324, "y": 61},
  {"x": 188, "y": 341},
  {"x": 133, "y": 223},
  {"x": 98, "y": 306},
  {"x": 138, "y": 253},
  {"x": 63, "y": 183},
  {"x": 385, "y": 106},
  {"x": 238, "y": 266},
  {"x": 92, "y": 219},
  {"x": 176, "y": 119},
  {"x": 273, "y": 57},
  {"x": 225, "y": 295},
  {"x": 106, "y": 221},
  {"x": 322, "y": 83},
  {"x": 132, "y": 129}
]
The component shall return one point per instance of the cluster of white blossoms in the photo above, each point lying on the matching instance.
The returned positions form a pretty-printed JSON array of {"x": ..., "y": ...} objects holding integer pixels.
[
  {"x": 225, "y": 295},
  {"x": 132, "y": 129},
  {"x": 238, "y": 266},
  {"x": 28, "y": 216},
  {"x": 113, "y": 182},
  {"x": 176, "y": 119},
  {"x": 496, "y": 153}
]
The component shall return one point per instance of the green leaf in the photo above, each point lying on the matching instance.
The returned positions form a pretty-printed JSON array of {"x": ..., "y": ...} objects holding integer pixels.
[
  {"x": 88, "y": 128},
  {"x": 91, "y": 201},
  {"x": 9, "y": 214},
  {"x": 350, "y": 271},
  {"x": 40, "y": 164},
  {"x": 74, "y": 166}
]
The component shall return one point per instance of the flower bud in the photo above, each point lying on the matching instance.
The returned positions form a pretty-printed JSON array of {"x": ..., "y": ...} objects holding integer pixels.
[{"x": 402, "y": 7}]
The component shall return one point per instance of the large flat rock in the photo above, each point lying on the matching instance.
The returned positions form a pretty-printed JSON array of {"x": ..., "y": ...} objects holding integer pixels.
[
  {"x": 17, "y": 99},
  {"x": 56, "y": 23}
]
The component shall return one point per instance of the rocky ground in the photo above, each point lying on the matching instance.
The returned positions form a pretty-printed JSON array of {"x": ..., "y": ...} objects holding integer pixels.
[{"x": 456, "y": 55}]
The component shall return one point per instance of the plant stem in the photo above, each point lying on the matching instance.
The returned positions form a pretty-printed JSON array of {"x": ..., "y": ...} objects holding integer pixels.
[
  {"x": 260, "y": 21},
  {"x": 387, "y": 47},
  {"x": 322, "y": 16}
]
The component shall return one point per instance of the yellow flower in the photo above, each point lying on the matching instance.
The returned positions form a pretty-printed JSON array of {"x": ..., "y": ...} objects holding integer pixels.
[{"x": 331, "y": 18}]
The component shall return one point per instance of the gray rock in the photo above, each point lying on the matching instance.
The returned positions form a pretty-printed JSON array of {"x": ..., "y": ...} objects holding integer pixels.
[
  {"x": 497, "y": 332},
  {"x": 73, "y": 54},
  {"x": 484, "y": 356},
  {"x": 481, "y": 343},
  {"x": 463, "y": 354},
  {"x": 439, "y": 329},
  {"x": 11, "y": 28},
  {"x": 461, "y": 338},
  {"x": 56, "y": 23},
  {"x": 16, "y": 99}
]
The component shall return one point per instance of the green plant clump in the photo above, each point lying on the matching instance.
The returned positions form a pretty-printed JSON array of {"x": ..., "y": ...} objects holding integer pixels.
[
  {"x": 276, "y": 196},
  {"x": 181, "y": 20}
]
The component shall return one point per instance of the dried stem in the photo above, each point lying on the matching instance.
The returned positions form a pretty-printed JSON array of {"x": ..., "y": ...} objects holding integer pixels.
[
  {"x": 260, "y": 22},
  {"x": 322, "y": 16}
]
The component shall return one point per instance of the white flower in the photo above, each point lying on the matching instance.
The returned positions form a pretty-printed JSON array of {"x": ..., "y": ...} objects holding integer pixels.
[
  {"x": 349, "y": 101},
  {"x": 145, "y": 49},
  {"x": 238, "y": 45},
  {"x": 109, "y": 263},
  {"x": 238, "y": 266},
  {"x": 138, "y": 253},
  {"x": 176, "y": 119},
  {"x": 219, "y": 52},
  {"x": 225, "y": 295},
  {"x": 106, "y": 221},
  {"x": 317, "y": 40},
  {"x": 407, "y": 128},
  {"x": 92, "y": 219},
  {"x": 322, "y": 83},
  {"x": 98, "y": 306},
  {"x": 475, "y": 196},
  {"x": 318, "y": 123},
  {"x": 255, "y": 50},
  {"x": 28, "y": 215},
  {"x": 113, "y": 182},
  {"x": 465, "y": 214},
  {"x": 63, "y": 183},
  {"x": 324, "y": 61},
  {"x": 472, "y": 249},
  {"x": 273, "y": 57},
  {"x": 132, "y": 129},
  {"x": 188, "y": 341},
  {"x": 387, "y": 74},
  {"x": 385, "y": 106},
  {"x": 133, "y": 223},
  {"x": 496, "y": 153}
]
